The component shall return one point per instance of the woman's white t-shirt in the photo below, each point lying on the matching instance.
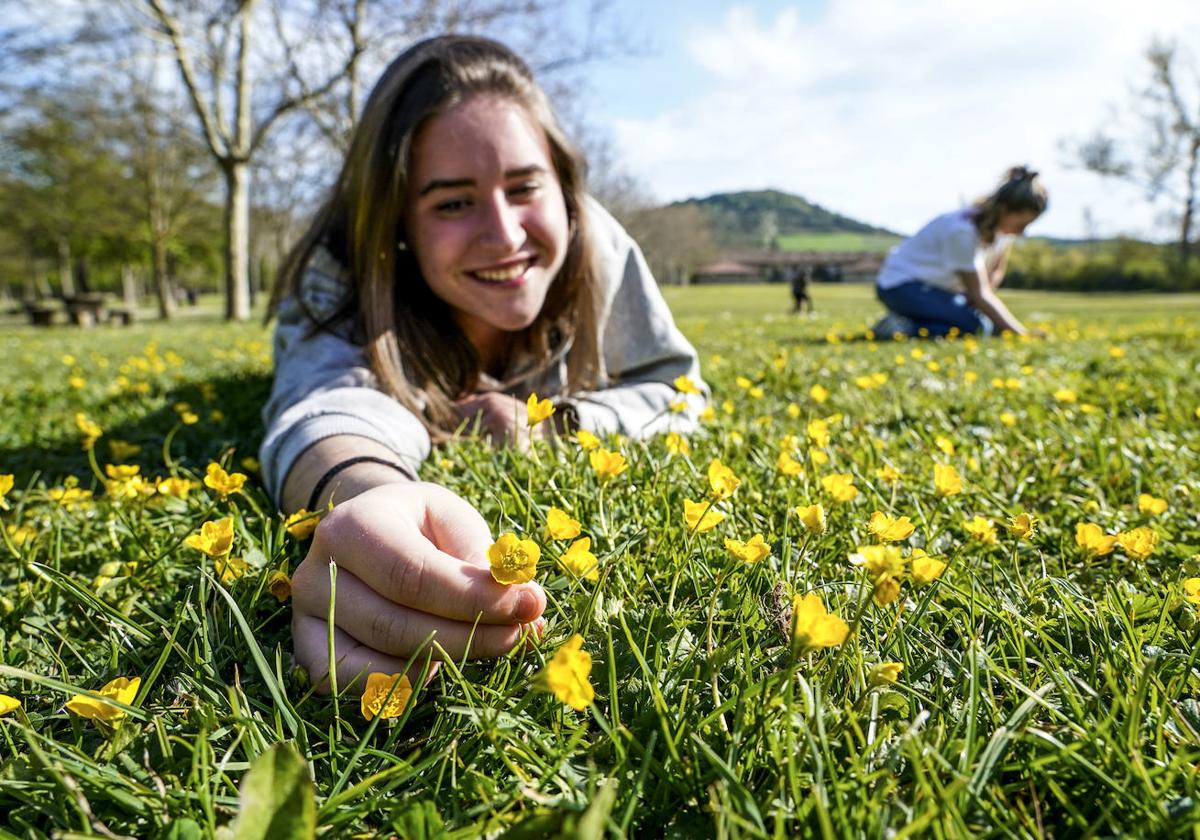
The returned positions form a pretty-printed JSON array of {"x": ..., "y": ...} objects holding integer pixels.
[{"x": 939, "y": 252}]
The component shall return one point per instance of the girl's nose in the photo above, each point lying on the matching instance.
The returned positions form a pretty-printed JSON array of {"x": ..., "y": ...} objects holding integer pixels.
[{"x": 502, "y": 225}]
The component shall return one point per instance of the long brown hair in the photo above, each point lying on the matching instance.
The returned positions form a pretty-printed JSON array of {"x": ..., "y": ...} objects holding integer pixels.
[
  {"x": 413, "y": 344},
  {"x": 1019, "y": 190}
]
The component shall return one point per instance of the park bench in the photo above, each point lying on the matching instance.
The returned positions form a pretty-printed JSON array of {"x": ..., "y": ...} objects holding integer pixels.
[
  {"x": 85, "y": 309},
  {"x": 41, "y": 313}
]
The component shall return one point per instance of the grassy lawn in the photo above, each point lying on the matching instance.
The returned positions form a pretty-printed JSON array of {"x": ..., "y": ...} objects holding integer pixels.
[
  {"x": 879, "y": 242},
  {"x": 1016, "y": 684}
]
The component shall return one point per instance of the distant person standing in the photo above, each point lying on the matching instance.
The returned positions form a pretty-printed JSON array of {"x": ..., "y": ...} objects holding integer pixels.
[
  {"x": 946, "y": 275},
  {"x": 798, "y": 279}
]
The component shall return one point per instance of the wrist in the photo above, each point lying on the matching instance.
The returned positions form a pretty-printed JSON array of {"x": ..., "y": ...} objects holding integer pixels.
[{"x": 351, "y": 476}]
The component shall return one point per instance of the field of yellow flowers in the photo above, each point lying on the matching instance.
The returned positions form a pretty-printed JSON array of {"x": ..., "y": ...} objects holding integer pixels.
[{"x": 889, "y": 588}]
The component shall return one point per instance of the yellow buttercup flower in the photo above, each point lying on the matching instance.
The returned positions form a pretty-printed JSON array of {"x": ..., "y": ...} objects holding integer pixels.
[
  {"x": 1008, "y": 418},
  {"x": 885, "y": 673},
  {"x": 580, "y": 560},
  {"x": 677, "y": 444},
  {"x": 123, "y": 450},
  {"x": 177, "y": 487},
  {"x": 1065, "y": 395},
  {"x": 879, "y": 560},
  {"x": 1150, "y": 504},
  {"x": 568, "y": 674},
  {"x": 1022, "y": 526},
  {"x": 560, "y": 525},
  {"x": 685, "y": 385},
  {"x": 888, "y": 529},
  {"x": 700, "y": 516},
  {"x": 119, "y": 472},
  {"x": 818, "y": 393},
  {"x": 925, "y": 569},
  {"x": 813, "y": 518},
  {"x": 607, "y": 464},
  {"x": 537, "y": 410},
  {"x": 1138, "y": 543},
  {"x": 229, "y": 569},
  {"x": 302, "y": 523},
  {"x": 215, "y": 538},
  {"x": 94, "y": 707},
  {"x": 1092, "y": 540},
  {"x": 375, "y": 700},
  {"x": 944, "y": 444},
  {"x": 1191, "y": 590},
  {"x": 981, "y": 529},
  {"x": 223, "y": 482},
  {"x": 722, "y": 482},
  {"x": 586, "y": 440},
  {"x": 815, "y": 627},
  {"x": 946, "y": 480},
  {"x": 8, "y": 705},
  {"x": 788, "y": 465},
  {"x": 840, "y": 486},
  {"x": 90, "y": 430},
  {"x": 818, "y": 432},
  {"x": 888, "y": 473},
  {"x": 280, "y": 585},
  {"x": 751, "y": 551},
  {"x": 513, "y": 560},
  {"x": 6, "y": 484}
]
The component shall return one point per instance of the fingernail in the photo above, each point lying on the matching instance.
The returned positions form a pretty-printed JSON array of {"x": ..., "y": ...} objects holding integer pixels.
[{"x": 528, "y": 606}]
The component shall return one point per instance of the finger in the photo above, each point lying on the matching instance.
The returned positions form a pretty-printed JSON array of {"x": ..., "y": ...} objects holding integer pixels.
[
  {"x": 401, "y": 563},
  {"x": 401, "y": 631},
  {"x": 355, "y": 661}
]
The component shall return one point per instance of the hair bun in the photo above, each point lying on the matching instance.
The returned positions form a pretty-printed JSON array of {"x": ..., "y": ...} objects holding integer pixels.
[{"x": 1021, "y": 173}]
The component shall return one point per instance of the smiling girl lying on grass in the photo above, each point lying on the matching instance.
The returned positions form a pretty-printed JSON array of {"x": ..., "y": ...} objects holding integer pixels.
[
  {"x": 945, "y": 276},
  {"x": 457, "y": 267}
]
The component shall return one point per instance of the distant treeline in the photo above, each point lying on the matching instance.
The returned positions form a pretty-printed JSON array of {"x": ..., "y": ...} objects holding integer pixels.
[{"x": 1116, "y": 265}]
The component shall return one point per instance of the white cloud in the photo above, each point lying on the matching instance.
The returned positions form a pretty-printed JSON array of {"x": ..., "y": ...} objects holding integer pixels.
[{"x": 892, "y": 112}]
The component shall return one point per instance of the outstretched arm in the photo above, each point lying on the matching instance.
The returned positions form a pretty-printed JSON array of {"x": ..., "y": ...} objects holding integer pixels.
[{"x": 983, "y": 297}]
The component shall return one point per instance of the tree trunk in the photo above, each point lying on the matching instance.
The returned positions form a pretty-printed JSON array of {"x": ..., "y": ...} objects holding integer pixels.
[
  {"x": 66, "y": 280},
  {"x": 162, "y": 279},
  {"x": 129, "y": 288},
  {"x": 1189, "y": 206},
  {"x": 237, "y": 240}
]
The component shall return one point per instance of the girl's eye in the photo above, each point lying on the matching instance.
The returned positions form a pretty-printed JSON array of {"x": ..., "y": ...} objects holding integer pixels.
[
  {"x": 450, "y": 206},
  {"x": 525, "y": 189}
]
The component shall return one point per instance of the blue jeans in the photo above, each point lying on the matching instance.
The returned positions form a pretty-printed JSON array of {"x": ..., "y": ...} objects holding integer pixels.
[{"x": 934, "y": 309}]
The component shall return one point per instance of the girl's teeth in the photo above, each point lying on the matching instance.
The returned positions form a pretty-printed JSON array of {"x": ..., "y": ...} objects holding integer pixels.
[{"x": 502, "y": 275}]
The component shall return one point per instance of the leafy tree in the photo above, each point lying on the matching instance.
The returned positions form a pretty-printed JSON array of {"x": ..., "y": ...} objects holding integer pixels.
[{"x": 1158, "y": 147}]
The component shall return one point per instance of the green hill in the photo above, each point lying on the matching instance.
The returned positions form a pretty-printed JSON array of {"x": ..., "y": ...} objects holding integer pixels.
[{"x": 755, "y": 218}]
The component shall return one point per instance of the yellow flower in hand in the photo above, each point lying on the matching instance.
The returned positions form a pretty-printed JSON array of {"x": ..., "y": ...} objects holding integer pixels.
[
  {"x": 568, "y": 674},
  {"x": 513, "y": 560},
  {"x": 375, "y": 700},
  {"x": 815, "y": 627},
  {"x": 121, "y": 689}
]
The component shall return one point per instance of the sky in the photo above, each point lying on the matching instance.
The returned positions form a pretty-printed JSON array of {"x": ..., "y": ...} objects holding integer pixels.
[{"x": 889, "y": 111}]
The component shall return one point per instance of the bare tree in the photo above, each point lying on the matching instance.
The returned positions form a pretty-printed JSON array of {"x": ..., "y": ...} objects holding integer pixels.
[
  {"x": 677, "y": 239},
  {"x": 1159, "y": 150}
]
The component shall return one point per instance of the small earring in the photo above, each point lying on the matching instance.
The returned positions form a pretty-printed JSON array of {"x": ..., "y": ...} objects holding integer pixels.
[{"x": 401, "y": 245}]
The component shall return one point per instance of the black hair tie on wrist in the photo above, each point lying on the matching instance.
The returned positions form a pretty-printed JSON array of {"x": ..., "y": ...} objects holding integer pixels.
[{"x": 330, "y": 473}]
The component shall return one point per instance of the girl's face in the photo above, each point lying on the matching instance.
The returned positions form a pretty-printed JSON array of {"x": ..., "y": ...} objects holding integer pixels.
[
  {"x": 1014, "y": 222},
  {"x": 486, "y": 218}
]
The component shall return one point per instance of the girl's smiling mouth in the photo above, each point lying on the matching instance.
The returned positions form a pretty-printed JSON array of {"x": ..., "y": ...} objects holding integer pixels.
[{"x": 504, "y": 274}]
